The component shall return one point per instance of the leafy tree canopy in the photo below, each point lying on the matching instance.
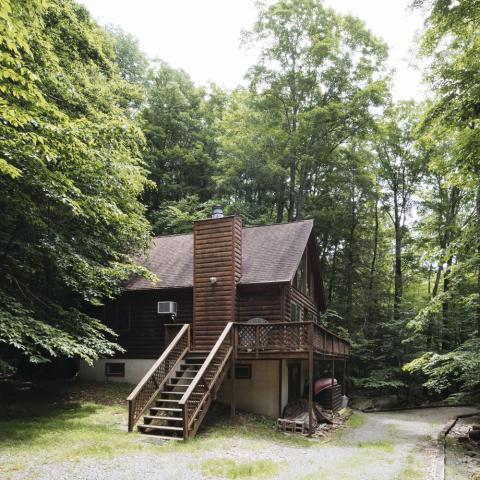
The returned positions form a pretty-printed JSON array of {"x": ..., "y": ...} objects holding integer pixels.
[{"x": 71, "y": 175}]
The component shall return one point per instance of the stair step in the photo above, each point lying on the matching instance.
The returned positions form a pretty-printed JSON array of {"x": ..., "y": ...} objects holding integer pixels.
[
  {"x": 159, "y": 417},
  {"x": 173, "y": 393},
  {"x": 165, "y": 409},
  {"x": 177, "y": 385},
  {"x": 166, "y": 400},
  {"x": 160, "y": 427},
  {"x": 164, "y": 437}
]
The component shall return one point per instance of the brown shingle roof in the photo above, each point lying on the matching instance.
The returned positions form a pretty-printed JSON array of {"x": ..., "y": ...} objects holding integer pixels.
[{"x": 270, "y": 254}]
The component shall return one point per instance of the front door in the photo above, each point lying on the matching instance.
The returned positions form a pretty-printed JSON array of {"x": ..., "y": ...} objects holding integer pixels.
[{"x": 294, "y": 378}]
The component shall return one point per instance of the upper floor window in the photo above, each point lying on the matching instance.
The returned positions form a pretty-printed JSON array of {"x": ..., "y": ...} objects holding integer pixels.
[
  {"x": 301, "y": 277},
  {"x": 295, "y": 312}
]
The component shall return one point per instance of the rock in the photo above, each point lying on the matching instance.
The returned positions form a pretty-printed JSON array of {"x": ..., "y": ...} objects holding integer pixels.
[
  {"x": 387, "y": 401},
  {"x": 361, "y": 402}
]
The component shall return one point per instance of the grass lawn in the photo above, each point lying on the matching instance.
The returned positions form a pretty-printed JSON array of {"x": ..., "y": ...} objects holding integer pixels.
[
  {"x": 50, "y": 423},
  {"x": 57, "y": 421}
]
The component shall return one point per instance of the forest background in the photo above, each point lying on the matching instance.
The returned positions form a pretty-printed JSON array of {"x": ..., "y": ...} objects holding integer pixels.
[{"x": 101, "y": 148}]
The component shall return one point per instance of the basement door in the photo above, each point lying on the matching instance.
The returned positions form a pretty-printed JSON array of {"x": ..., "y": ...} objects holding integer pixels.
[{"x": 294, "y": 381}]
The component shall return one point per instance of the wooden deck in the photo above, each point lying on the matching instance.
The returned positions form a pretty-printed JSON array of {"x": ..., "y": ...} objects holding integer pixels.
[{"x": 288, "y": 340}]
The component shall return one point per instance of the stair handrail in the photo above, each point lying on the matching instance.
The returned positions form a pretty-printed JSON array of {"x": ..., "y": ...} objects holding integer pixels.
[
  {"x": 158, "y": 375},
  {"x": 226, "y": 335}
]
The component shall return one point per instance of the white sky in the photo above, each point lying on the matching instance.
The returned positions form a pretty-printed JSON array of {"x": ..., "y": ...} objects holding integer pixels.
[{"x": 202, "y": 36}]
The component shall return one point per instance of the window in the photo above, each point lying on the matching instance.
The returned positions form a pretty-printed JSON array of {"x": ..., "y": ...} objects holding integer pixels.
[
  {"x": 114, "y": 369},
  {"x": 301, "y": 282},
  {"x": 295, "y": 312},
  {"x": 243, "y": 371}
]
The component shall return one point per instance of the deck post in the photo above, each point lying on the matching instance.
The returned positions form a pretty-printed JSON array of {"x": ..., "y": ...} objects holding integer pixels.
[
  {"x": 310, "y": 381},
  {"x": 333, "y": 379},
  {"x": 232, "y": 374},
  {"x": 344, "y": 377}
]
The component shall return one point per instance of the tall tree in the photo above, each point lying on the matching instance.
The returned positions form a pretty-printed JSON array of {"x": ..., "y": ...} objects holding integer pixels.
[
  {"x": 321, "y": 74},
  {"x": 70, "y": 176},
  {"x": 400, "y": 172},
  {"x": 179, "y": 121},
  {"x": 452, "y": 44}
]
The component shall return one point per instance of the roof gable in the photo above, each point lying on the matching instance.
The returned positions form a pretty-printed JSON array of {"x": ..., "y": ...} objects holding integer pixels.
[{"x": 270, "y": 254}]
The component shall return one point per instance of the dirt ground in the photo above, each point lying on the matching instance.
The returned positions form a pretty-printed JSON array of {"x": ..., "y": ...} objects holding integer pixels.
[
  {"x": 374, "y": 446},
  {"x": 463, "y": 457}
]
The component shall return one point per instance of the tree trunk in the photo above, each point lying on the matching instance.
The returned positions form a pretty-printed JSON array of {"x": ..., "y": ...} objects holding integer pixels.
[
  {"x": 477, "y": 204},
  {"x": 373, "y": 267},
  {"x": 349, "y": 275},
  {"x": 293, "y": 179},
  {"x": 280, "y": 202},
  {"x": 332, "y": 274},
  {"x": 445, "y": 307},
  {"x": 449, "y": 224},
  {"x": 301, "y": 192},
  {"x": 398, "y": 293}
]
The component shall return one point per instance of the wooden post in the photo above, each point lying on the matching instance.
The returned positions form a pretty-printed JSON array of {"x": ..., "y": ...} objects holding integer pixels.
[
  {"x": 185, "y": 421},
  {"x": 310, "y": 381},
  {"x": 310, "y": 393},
  {"x": 232, "y": 374},
  {"x": 344, "y": 378},
  {"x": 130, "y": 415},
  {"x": 333, "y": 378}
]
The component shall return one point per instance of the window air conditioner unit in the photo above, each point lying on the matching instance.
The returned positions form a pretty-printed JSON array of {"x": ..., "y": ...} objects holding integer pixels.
[{"x": 168, "y": 308}]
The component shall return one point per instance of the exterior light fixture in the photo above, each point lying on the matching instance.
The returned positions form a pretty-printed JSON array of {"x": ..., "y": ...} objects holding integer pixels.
[{"x": 213, "y": 280}]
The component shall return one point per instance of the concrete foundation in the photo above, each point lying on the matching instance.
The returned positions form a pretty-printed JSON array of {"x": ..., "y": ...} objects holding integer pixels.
[{"x": 135, "y": 370}]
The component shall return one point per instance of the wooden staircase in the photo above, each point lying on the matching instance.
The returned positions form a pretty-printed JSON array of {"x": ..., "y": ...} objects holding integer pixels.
[
  {"x": 165, "y": 419},
  {"x": 179, "y": 388}
]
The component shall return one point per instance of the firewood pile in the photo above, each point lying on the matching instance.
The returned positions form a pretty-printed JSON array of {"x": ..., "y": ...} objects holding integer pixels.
[
  {"x": 468, "y": 435},
  {"x": 296, "y": 418}
]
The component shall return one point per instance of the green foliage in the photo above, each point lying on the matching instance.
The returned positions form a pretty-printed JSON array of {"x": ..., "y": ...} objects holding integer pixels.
[
  {"x": 132, "y": 63},
  {"x": 179, "y": 124},
  {"x": 71, "y": 177},
  {"x": 452, "y": 371}
]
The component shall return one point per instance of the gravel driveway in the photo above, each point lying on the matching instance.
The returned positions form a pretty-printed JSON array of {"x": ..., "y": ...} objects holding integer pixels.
[{"x": 383, "y": 446}]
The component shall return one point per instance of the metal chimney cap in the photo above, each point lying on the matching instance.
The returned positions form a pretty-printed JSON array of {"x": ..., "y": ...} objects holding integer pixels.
[{"x": 217, "y": 211}]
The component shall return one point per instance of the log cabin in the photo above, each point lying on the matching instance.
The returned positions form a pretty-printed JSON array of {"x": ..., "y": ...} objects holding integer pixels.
[{"x": 233, "y": 316}]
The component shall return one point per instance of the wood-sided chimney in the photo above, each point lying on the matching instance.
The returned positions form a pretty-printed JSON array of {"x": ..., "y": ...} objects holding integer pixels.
[{"x": 217, "y": 268}]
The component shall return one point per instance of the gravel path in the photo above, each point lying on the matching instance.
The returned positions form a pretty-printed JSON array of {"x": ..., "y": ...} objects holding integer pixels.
[{"x": 385, "y": 446}]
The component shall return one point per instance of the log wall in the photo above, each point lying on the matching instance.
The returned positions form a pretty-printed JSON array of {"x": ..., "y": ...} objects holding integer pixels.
[
  {"x": 262, "y": 301},
  {"x": 141, "y": 331}
]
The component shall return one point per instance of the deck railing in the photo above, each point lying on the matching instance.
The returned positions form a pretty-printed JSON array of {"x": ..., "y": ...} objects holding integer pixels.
[
  {"x": 285, "y": 337},
  {"x": 156, "y": 378},
  {"x": 197, "y": 398}
]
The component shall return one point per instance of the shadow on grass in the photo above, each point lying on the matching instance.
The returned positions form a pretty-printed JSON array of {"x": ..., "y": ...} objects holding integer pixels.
[
  {"x": 63, "y": 421},
  {"x": 45, "y": 419}
]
